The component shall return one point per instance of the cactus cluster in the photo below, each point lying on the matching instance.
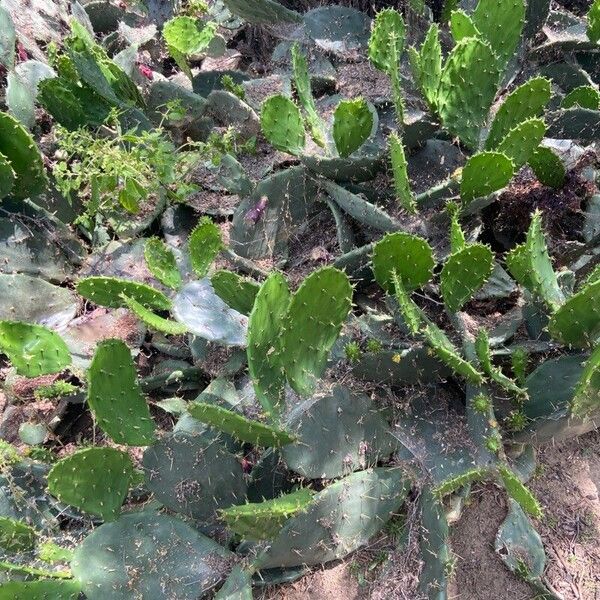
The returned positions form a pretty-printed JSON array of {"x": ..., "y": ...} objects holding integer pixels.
[{"x": 345, "y": 304}]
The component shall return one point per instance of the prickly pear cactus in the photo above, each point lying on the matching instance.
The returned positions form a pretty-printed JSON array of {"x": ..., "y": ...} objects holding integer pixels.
[
  {"x": 485, "y": 173},
  {"x": 312, "y": 324},
  {"x": 426, "y": 65},
  {"x": 40, "y": 590},
  {"x": 522, "y": 141},
  {"x": 236, "y": 291},
  {"x": 262, "y": 11},
  {"x": 282, "y": 125},
  {"x": 141, "y": 554},
  {"x": 204, "y": 244},
  {"x": 109, "y": 291},
  {"x": 96, "y": 480},
  {"x": 115, "y": 398},
  {"x": 193, "y": 475},
  {"x": 161, "y": 262},
  {"x": 401, "y": 182},
  {"x": 352, "y": 125}
]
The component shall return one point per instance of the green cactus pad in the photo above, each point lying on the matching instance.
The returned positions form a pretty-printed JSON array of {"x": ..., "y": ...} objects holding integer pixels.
[
  {"x": 152, "y": 320},
  {"x": 149, "y": 555},
  {"x": 593, "y": 19},
  {"x": 482, "y": 348},
  {"x": 463, "y": 104},
  {"x": 485, "y": 173},
  {"x": 457, "y": 235},
  {"x": 305, "y": 97},
  {"x": 519, "y": 493},
  {"x": 107, "y": 291},
  {"x": 33, "y": 350},
  {"x": 427, "y": 65},
  {"x": 386, "y": 44},
  {"x": 43, "y": 589},
  {"x": 352, "y": 125},
  {"x": 262, "y": 11},
  {"x": 8, "y": 38},
  {"x": 16, "y": 536},
  {"x": 501, "y": 24},
  {"x": 238, "y": 426},
  {"x": 115, "y": 398},
  {"x": 411, "y": 257},
  {"x": 448, "y": 354},
  {"x": 193, "y": 474},
  {"x": 282, "y": 125},
  {"x": 464, "y": 273},
  {"x": 95, "y": 480},
  {"x": 315, "y": 316},
  {"x": 199, "y": 308},
  {"x": 340, "y": 519},
  {"x": 17, "y": 145},
  {"x": 236, "y": 291},
  {"x": 7, "y": 177},
  {"x": 525, "y": 102},
  {"x": 462, "y": 26},
  {"x": 265, "y": 361},
  {"x": 337, "y": 433},
  {"x": 237, "y": 586},
  {"x": 548, "y": 167},
  {"x": 409, "y": 310},
  {"x": 160, "y": 260},
  {"x": 204, "y": 244},
  {"x": 522, "y": 141},
  {"x": 577, "y": 321},
  {"x": 587, "y": 394},
  {"x": 188, "y": 35},
  {"x": 584, "y": 96},
  {"x": 263, "y": 520},
  {"x": 531, "y": 265},
  {"x": 401, "y": 182}
]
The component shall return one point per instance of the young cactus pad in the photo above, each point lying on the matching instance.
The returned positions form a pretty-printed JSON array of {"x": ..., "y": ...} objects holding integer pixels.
[
  {"x": 236, "y": 291},
  {"x": 238, "y": 426},
  {"x": 352, "y": 125},
  {"x": 426, "y": 65},
  {"x": 95, "y": 480},
  {"x": 399, "y": 170},
  {"x": 204, "y": 244},
  {"x": 107, "y": 291},
  {"x": 313, "y": 322},
  {"x": 34, "y": 350},
  {"x": 115, "y": 398},
  {"x": 411, "y": 257},
  {"x": 282, "y": 125},
  {"x": 485, "y": 173},
  {"x": 265, "y": 361},
  {"x": 161, "y": 263}
]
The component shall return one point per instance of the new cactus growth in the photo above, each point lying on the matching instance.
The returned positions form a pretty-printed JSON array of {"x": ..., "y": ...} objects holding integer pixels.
[
  {"x": 96, "y": 480},
  {"x": 161, "y": 262},
  {"x": 401, "y": 183},
  {"x": 115, "y": 398},
  {"x": 204, "y": 244},
  {"x": 282, "y": 124},
  {"x": 236, "y": 291},
  {"x": 485, "y": 173},
  {"x": 109, "y": 291},
  {"x": 352, "y": 125}
]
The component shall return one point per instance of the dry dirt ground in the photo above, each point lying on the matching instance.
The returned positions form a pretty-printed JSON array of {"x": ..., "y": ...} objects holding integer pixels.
[{"x": 567, "y": 483}]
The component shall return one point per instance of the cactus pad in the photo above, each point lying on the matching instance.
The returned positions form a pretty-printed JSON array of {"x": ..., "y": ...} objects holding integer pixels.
[
  {"x": 161, "y": 263},
  {"x": 265, "y": 362},
  {"x": 313, "y": 322},
  {"x": 204, "y": 244},
  {"x": 387, "y": 40},
  {"x": 188, "y": 35},
  {"x": 411, "y": 257},
  {"x": 115, "y": 398},
  {"x": 7, "y": 177},
  {"x": 593, "y": 18},
  {"x": 340, "y": 519},
  {"x": 485, "y": 173},
  {"x": 352, "y": 125},
  {"x": 463, "y": 103},
  {"x": 548, "y": 167},
  {"x": 263, "y": 520},
  {"x": 427, "y": 65},
  {"x": 148, "y": 555},
  {"x": 236, "y": 291},
  {"x": 282, "y": 125},
  {"x": 238, "y": 426},
  {"x": 577, "y": 321},
  {"x": 207, "y": 316},
  {"x": 95, "y": 480},
  {"x": 584, "y": 96},
  {"x": 152, "y": 320},
  {"x": 525, "y": 102},
  {"x": 21, "y": 151},
  {"x": 519, "y": 493},
  {"x": 531, "y": 265},
  {"x": 500, "y": 22},
  {"x": 461, "y": 26},
  {"x": 16, "y": 536},
  {"x": 409, "y": 310},
  {"x": 337, "y": 433},
  {"x": 587, "y": 394},
  {"x": 464, "y": 273},
  {"x": 401, "y": 182},
  {"x": 522, "y": 141},
  {"x": 34, "y": 350},
  {"x": 193, "y": 475},
  {"x": 262, "y": 11},
  {"x": 42, "y": 589},
  {"x": 107, "y": 291},
  {"x": 448, "y": 354}
]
